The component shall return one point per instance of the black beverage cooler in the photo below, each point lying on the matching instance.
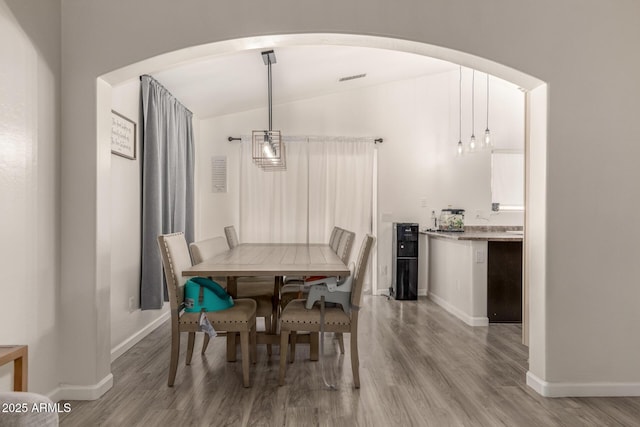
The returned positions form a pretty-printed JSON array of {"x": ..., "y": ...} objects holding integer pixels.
[{"x": 405, "y": 261}]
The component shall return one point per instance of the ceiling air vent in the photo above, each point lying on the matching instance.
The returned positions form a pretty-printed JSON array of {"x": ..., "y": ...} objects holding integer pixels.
[{"x": 347, "y": 78}]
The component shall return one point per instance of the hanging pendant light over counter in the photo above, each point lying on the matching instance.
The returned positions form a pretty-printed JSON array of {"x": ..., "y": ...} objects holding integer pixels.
[
  {"x": 472, "y": 141},
  {"x": 486, "y": 143},
  {"x": 267, "y": 145}
]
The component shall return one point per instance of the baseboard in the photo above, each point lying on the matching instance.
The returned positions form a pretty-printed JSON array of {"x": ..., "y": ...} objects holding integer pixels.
[
  {"x": 75, "y": 392},
  {"x": 469, "y": 320},
  {"x": 604, "y": 389},
  {"x": 134, "y": 339}
]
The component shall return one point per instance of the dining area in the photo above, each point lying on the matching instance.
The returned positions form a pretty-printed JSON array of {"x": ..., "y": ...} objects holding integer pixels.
[{"x": 270, "y": 282}]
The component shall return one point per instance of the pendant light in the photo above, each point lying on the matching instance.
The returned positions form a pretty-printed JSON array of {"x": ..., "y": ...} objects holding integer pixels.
[
  {"x": 460, "y": 149},
  {"x": 486, "y": 143},
  {"x": 472, "y": 141},
  {"x": 267, "y": 145}
]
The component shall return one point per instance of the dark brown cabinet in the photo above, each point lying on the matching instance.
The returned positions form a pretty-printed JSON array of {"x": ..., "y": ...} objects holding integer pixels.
[{"x": 504, "y": 282}]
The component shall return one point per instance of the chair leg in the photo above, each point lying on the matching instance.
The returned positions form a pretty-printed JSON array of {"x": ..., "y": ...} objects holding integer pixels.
[
  {"x": 175, "y": 351},
  {"x": 231, "y": 346},
  {"x": 267, "y": 330},
  {"x": 274, "y": 316},
  {"x": 190, "y": 342},
  {"x": 293, "y": 339},
  {"x": 275, "y": 307},
  {"x": 340, "y": 341},
  {"x": 244, "y": 348},
  {"x": 253, "y": 339},
  {"x": 284, "y": 343},
  {"x": 205, "y": 343},
  {"x": 314, "y": 341},
  {"x": 355, "y": 363}
]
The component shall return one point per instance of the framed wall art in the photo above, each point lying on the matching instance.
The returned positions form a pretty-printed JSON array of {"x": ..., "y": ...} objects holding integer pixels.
[{"x": 123, "y": 136}]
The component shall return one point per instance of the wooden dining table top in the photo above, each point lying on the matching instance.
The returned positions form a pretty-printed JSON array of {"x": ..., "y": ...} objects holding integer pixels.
[{"x": 272, "y": 259}]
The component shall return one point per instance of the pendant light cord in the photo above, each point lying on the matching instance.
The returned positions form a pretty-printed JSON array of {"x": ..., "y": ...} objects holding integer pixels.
[
  {"x": 460, "y": 106},
  {"x": 269, "y": 90},
  {"x": 473, "y": 102},
  {"x": 487, "y": 101}
]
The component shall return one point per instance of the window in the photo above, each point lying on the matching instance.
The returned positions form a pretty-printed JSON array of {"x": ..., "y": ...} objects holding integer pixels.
[{"x": 507, "y": 179}]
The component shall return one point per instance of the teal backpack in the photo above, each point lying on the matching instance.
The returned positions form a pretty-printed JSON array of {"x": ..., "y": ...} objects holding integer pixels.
[{"x": 203, "y": 294}]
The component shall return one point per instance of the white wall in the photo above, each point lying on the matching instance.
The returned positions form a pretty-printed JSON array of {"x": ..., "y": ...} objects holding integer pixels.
[
  {"x": 128, "y": 325},
  {"x": 29, "y": 187},
  {"x": 569, "y": 45},
  {"x": 418, "y": 119}
]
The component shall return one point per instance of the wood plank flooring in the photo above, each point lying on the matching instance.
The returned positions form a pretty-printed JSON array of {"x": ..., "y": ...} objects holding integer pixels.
[{"x": 419, "y": 366}]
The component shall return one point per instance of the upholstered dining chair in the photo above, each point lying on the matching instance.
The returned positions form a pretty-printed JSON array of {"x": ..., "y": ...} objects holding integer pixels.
[
  {"x": 335, "y": 235},
  {"x": 232, "y": 236},
  {"x": 254, "y": 285},
  {"x": 240, "y": 318},
  {"x": 334, "y": 240},
  {"x": 343, "y": 250},
  {"x": 296, "y": 317},
  {"x": 341, "y": 242},
  {"x": 344, "y": 244},
  {"x": 259, "y": 290}
]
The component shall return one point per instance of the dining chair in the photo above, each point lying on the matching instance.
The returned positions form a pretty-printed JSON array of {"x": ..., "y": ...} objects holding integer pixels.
[
  {"x": 296, "y": 317},
  {"x": 344, "y": 245},
  {"x": 334, "y": 236},
  {"x": 259, "y": 290},
  {"x": 293, "y": 286},
  {"x": 333, "y": 243},
  {"x": 232, "y": 236},
  {"x": 255, "y": 285},
  {"x": 343, "y": 250},
  {"x": 240, "y": 318}
]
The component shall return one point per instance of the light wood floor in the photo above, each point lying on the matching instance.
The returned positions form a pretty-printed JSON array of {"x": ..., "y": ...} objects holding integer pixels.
[{"x": 419, "y": 366}]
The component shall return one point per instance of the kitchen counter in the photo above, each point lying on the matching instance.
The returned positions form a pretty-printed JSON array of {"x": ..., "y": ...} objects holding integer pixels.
[
  {"x": 478, "y": 233},
  {"x": 457, "y": 268}
]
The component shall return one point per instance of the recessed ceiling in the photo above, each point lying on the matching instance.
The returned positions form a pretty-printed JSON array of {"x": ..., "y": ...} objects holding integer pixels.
[{"x": 237, "y": 82}]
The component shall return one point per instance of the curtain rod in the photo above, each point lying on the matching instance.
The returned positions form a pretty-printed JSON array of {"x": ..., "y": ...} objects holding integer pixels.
[{"x": 231, "y": 139}]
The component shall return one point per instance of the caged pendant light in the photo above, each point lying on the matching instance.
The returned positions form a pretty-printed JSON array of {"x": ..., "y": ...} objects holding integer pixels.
[
  {"x": 460, "y": 148},
  {"x": 267, "y": 146},
  {"x": 472, "y": 141},
  {"x": 486, "y": 142}
]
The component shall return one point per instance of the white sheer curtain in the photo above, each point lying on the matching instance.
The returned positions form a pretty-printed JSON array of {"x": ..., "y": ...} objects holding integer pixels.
[
  {"x": 328, "y": 182},
  {"x": 273, "y": 204},
  {"x": 340, "y": 187}
]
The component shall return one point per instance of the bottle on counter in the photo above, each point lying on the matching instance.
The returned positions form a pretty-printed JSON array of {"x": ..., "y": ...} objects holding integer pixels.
[{"x": 434, "y": 220}]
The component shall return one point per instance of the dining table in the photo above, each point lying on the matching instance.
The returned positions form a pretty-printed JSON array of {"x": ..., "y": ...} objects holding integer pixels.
[{"x": 271, "y": 259}]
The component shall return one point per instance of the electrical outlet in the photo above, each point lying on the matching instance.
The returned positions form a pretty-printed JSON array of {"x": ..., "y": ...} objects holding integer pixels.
[
  {"x": 424, "y": 203},
  {"x": 132, "y": 304}
]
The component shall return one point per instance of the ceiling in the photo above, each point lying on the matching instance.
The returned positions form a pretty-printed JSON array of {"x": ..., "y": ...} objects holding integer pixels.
[{"x": 237, "y": 82}]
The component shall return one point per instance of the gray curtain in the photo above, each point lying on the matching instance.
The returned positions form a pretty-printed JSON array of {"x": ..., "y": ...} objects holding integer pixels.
[{"x": 167, "y": 182}]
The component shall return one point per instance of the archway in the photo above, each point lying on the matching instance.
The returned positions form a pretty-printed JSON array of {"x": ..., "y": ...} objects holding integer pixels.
[{"x": 536, "y": 135}]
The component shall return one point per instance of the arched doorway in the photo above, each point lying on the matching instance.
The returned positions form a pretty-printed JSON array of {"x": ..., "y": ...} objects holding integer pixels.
[{"x": 536, "y": 146}]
